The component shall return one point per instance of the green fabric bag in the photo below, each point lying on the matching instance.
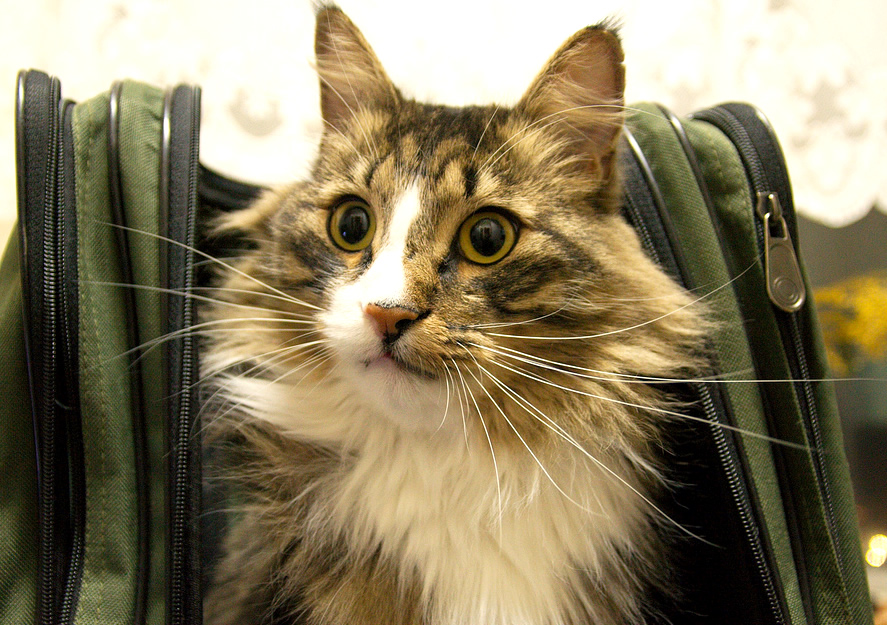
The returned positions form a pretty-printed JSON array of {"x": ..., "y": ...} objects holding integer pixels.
[
  {"x": 107, "y": 198},
  {"x": 100, "y": 511},
  {"x": 714, "y": 178}
]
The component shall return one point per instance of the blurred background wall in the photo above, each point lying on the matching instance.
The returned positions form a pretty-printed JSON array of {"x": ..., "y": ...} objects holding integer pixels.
[{"x": 818, "y": 69}]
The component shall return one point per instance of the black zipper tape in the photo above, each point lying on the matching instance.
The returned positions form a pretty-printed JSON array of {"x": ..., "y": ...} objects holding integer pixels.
[
  {"x": 734, "y": 272},
  {"x": 140, "y": 438},
  {"x": 645, "y": 209},
  {"x": 179, "y": 201},
  {"x": 37, "y": 126},
  {"x": 759, "y": 149}
]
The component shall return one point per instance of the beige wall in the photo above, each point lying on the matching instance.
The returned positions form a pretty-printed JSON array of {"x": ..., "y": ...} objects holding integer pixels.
[{"x": 820, "y": 73}]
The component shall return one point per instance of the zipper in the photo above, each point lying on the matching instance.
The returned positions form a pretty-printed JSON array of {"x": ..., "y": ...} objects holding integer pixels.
[
  {"x": 179, "y": 193},
  {"x": 785, "y": 285},
  {"x": 37, "y": 129},
  {"x": 714, "y": 410},
  {"x": 51, "y": 463},
  {"x": 771, "y": 195},
  {"x": 773, "y": 589}
]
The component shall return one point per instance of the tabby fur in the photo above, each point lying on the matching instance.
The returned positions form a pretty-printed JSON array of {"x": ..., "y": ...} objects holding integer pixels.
[{"x": 493, "y": 461}]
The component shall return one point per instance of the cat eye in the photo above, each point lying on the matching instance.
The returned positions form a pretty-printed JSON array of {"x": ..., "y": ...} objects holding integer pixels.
[
  {"x": 352, "y": 225},
  {"x": 486, "y": 237}
]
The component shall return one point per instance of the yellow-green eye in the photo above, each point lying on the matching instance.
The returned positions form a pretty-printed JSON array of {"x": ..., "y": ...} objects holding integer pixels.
[
  {"x": 352, "y": 225},
  {"x": 486, "y": 237}
]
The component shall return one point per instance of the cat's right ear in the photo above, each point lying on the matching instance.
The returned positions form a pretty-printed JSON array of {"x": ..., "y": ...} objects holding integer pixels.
[
  {"x": 351, "y": 76},
  {"x": 579, "y": 96}
]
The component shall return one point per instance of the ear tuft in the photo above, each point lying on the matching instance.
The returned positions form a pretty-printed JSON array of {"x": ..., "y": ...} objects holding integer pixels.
[
  {"x": 350, "y": 75},
  {"x": 580, "y": 95}
]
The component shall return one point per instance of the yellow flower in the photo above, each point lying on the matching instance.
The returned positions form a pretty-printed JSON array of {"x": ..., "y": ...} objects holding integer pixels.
[{"x": 853, "y": 314}]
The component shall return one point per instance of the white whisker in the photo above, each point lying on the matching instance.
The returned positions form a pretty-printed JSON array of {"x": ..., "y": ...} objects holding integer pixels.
[
  {"x": 629, "y": 328},
  {"x": 228, "y": 266},
  {"x": 201, "y": 298},
  {"x": 480, "y": 416},
  {"x": 559, "y": 430},
  {"x": 656, "y": 410}
]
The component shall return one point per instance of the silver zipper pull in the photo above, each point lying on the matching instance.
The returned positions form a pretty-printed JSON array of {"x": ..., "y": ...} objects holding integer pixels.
[{"x": 785, "y": 284}]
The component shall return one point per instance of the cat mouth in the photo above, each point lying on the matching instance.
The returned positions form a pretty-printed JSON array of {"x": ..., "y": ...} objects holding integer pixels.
[{"x": 391, "y": 361}]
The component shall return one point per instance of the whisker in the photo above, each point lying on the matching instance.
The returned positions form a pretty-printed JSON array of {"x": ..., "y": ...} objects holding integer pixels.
[
  {"x": 521, "y": 438},
  {"x": 483, "y": 134},
  {"x": 480, "y": 416},
  {"x": 656, "y": 410},
  {"x": 461, "y": 406},
  {"x": 629, "y": 328},
  {"x": 228, "y": 266},
  {"x": 220, "y": 414},
  {"x": 601, "y": 376},
  {"x": 201, "y": 298},
  {"x": 559, "y": 430},
  {"x": 265, "y": 364},
  {"x": 199, "y": 329},
  {"x": 502, "y": 324},
  {"x": 447, "y": 406}
]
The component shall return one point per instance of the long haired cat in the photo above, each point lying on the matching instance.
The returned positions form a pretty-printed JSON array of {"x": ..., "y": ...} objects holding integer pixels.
[{"x": 428, "y": 369}]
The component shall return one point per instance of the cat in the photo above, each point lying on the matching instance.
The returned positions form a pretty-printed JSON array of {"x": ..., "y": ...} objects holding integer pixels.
[{"x": 426, "y": 370}]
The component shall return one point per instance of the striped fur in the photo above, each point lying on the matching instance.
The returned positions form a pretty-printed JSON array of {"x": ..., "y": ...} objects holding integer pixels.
[{"x": 455, "y": 475}]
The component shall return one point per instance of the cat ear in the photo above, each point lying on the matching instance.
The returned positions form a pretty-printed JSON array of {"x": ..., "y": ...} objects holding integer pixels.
[
  {"x": 580, "y": 95},
  {"x": 350, "y": 74}
]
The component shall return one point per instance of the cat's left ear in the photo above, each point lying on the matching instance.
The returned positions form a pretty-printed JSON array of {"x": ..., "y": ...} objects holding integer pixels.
[
  {"x": 580, "y": 95},
  {"x": 351, "y": 76}
]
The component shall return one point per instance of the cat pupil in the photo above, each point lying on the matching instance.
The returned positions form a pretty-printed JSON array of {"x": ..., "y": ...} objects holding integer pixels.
[
  {"x": 487, "y": 236},
  {"x": 354, "y": 225}
]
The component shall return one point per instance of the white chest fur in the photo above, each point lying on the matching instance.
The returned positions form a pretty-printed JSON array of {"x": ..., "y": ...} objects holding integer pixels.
[
  {"x": 495, "y": 534},
  {"x": 488, "y": 549}
]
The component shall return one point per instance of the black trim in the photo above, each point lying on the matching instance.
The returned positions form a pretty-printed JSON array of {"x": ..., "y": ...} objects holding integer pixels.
[
  {"x": 776, "y": 590},
  {"x": 647, "y": 211},
  {"x": 48, "y": 232},
  {"x": 179, "y": 202},
  {"x": 37, "y": 126}
]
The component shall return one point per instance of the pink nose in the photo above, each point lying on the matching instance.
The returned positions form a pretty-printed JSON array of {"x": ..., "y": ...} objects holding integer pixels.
[{"x": 389, "y": 322}]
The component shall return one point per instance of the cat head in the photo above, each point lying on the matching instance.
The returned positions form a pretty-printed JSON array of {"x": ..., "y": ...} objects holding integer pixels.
[{"x": 460, "y": 269}]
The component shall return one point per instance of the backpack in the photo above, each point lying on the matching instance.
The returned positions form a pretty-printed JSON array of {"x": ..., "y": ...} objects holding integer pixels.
[{"x": 101, "y": 516}]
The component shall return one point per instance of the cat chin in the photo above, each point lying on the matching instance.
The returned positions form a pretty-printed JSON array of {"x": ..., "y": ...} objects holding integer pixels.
[{"x": 388, "y": 390}]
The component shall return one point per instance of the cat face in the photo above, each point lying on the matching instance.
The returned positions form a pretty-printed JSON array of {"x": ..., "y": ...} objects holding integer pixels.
[{"x": 444, "y": 267}]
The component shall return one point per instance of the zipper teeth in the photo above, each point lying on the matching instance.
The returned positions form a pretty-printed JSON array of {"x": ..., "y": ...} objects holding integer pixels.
[
  {"x": 182, "y": 603},
  {"x": 641, "y": 228},
  {"x": 50, "y": 564},
  {"x": 740, "y": 138},
  {"x": 734, "y": 479},
  {"x": 806, "y": 397},
  {"x": 815, "y": 431},
  {"x": 726, "y": 454}
]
